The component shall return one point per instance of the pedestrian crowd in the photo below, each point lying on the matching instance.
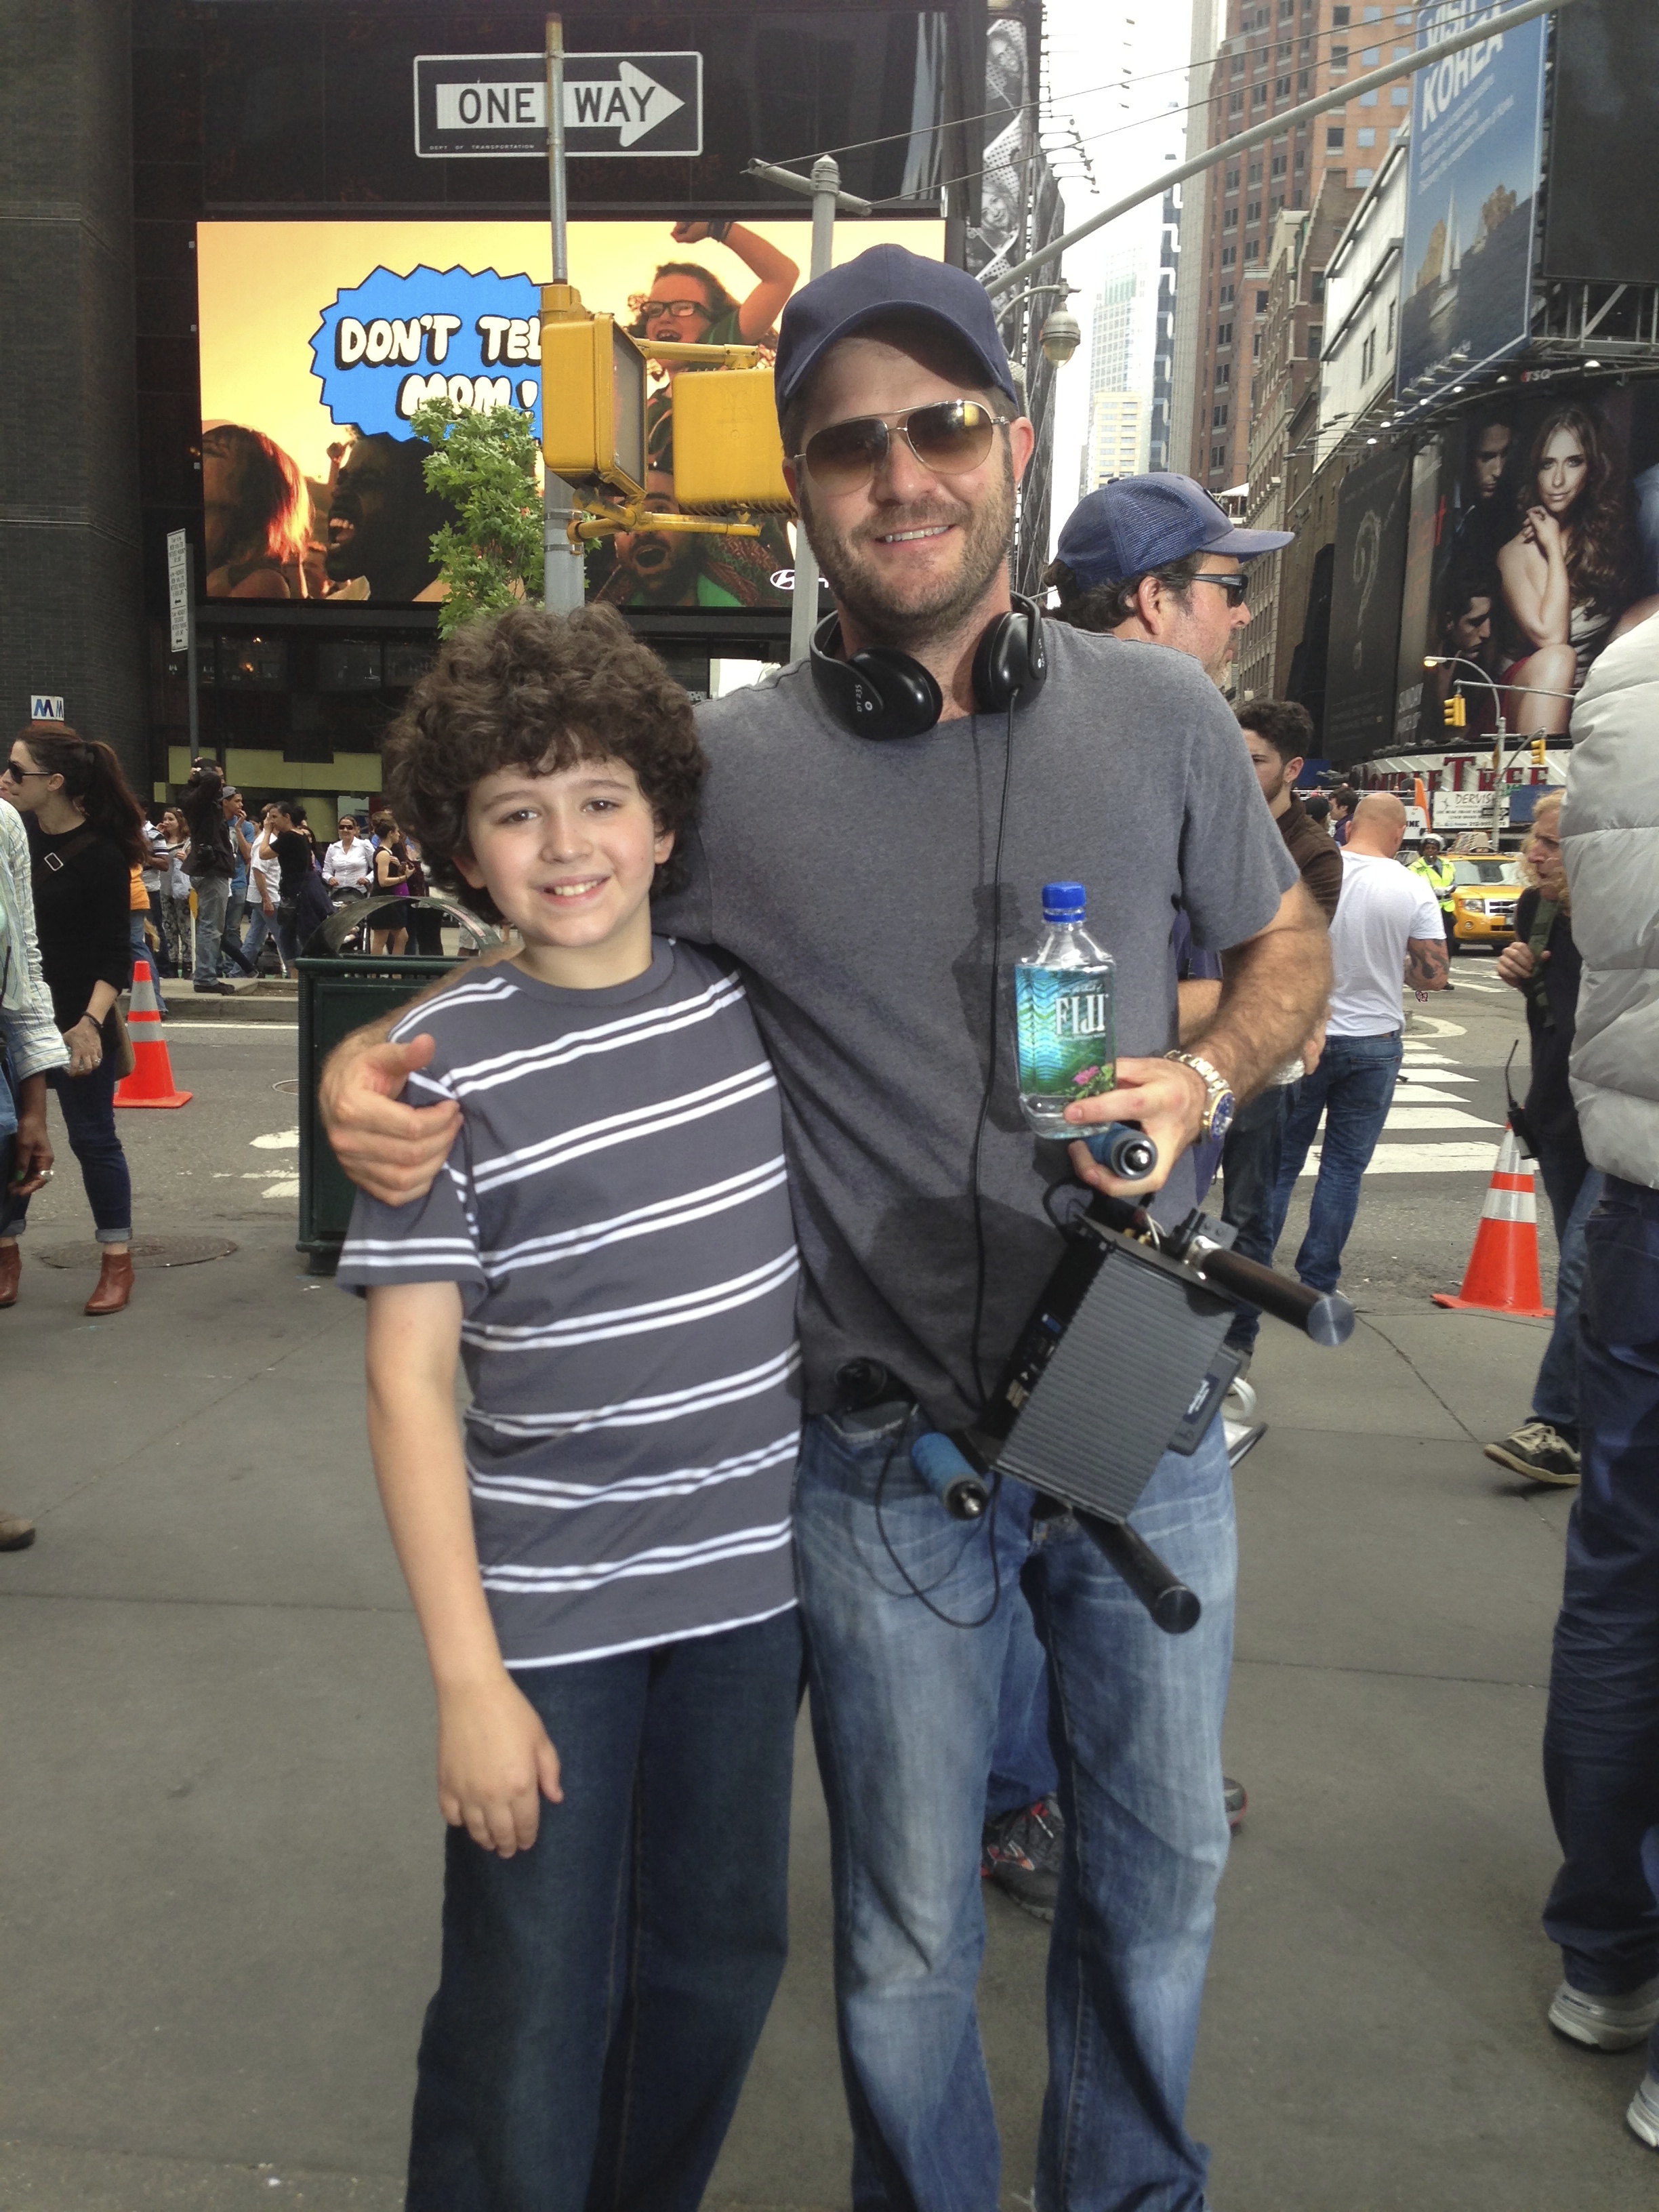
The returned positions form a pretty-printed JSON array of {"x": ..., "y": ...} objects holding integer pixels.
[{"x": 732, "y": 1129}]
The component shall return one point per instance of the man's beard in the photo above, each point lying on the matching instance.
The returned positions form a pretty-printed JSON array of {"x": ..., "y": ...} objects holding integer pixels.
[{"x": 986, "y": 533}]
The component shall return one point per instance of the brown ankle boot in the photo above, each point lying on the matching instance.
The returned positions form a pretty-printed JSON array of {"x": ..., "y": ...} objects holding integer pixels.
[
  {"x": 114, "y": 1285},
  {"x": 11, "y": 1266}
]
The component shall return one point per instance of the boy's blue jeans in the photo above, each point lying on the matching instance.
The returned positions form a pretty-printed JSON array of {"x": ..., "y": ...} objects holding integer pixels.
[
  {"x": 602, "y": 1993},
  {"x": 1353, "y": 1087},
  {"x": 904, "y": 1715}
]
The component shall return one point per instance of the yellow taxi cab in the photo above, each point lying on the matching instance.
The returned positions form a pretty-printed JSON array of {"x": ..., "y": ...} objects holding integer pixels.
[{"x": 1484, "y": 894}]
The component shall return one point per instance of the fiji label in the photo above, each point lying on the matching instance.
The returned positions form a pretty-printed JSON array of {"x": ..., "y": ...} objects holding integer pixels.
[{"x": 1067, "y": 1035}]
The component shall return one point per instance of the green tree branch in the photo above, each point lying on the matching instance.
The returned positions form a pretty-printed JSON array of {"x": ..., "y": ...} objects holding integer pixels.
[{"x": 484, "y": 464}]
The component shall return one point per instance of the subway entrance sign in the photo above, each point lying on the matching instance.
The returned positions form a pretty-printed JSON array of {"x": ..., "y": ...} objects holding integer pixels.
[{"x": 494, "y": 107}]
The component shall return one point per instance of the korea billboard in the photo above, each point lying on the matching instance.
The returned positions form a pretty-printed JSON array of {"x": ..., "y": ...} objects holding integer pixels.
[
  {"x": 1471, "y": 194},
  {"x": 318, "y": 340}
]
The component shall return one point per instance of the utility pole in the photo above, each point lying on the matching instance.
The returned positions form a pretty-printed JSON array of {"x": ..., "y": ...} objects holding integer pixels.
[
  {"x": 565, "y": 587},
  {"x": 804, "y": 608},
  {"x": 828, "y": 201}
]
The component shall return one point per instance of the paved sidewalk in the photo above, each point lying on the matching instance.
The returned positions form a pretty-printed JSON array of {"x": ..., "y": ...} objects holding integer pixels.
[{"x": 221, "y": 1853}]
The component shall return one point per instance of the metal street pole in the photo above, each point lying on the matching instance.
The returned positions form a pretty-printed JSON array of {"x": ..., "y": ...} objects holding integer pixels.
[
  {"x": 565, "y": 586},
  {"x": 1275, "y": 127},
  {"x": 804, "y": 611},
  {"x": 191, "y": 677}
]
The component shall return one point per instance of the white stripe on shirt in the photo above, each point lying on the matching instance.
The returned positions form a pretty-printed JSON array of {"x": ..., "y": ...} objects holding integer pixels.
[
  {"x": 623, "y": 1129},
  {"x": 664, "y": 1560},
  {"x": 574, "y": 1496},
  {"x": 638, "y": 1320},
  {"x": 639, "y": 1413}
]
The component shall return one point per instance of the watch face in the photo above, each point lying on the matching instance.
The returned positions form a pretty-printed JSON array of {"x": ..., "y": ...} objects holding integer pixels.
[{"x": 1221, "y": 1113}]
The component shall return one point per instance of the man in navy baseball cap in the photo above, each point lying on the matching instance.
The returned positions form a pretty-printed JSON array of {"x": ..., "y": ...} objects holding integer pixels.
[
  {"x": 888, "y": 281},
  {"x": 1155, "y": 558}
]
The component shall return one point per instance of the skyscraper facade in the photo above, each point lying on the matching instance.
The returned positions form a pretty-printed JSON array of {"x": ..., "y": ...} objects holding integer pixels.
[{"x": 1272, "y": 56}]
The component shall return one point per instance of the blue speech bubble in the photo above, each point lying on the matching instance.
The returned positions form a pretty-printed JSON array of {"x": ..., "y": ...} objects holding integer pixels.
[{"x": 390, "y": 343}]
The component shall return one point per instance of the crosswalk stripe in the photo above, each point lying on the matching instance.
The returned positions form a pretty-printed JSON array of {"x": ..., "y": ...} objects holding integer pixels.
[
  {"x": 1422, "y": 1159},
  {"x": 1435, "y": 1117}
]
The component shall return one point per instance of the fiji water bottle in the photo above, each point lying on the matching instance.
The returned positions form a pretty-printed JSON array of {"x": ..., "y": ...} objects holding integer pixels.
[{"x": 1067, "y": 1037}]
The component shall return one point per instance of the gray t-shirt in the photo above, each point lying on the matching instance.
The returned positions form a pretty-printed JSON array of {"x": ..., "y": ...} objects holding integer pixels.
[
  {"x": 614, "y": 1212},
  {"x": 852, "y": 881}
]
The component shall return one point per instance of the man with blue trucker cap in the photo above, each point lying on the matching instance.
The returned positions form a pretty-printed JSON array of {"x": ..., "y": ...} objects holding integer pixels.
[
  {"x": 877, "y": 825},
  {"x": 1155, "y": 559}
]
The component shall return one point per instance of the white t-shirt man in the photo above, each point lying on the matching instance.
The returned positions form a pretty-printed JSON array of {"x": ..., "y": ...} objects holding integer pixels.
[{"x": 1381, "y": 906}]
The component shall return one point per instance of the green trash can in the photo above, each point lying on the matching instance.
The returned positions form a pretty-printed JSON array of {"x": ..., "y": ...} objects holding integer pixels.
[{"x": 339, "y": 992}]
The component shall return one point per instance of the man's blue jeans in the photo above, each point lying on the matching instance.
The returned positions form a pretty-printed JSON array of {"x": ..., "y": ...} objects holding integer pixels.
[
  {"x": 1353, "y": 1087},
  {"x": 1250, "y": 1166},
  {"x": 1602, "y": 1736},
  {"x": 602, "y": 1993},
  {"x": 904, "y": 1715},
  {"x": 1022, "y": 1757},
  {"x": 1573, "y": 1188}
]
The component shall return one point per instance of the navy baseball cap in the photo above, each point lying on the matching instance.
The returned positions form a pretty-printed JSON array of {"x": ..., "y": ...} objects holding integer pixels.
[
  {"x": 1135, "y": 523},
  {"x": 885, "y": 280}
]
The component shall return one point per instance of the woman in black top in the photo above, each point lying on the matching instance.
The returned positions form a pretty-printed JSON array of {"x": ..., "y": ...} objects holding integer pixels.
[
  {"x": 301, "y": 895},
  {"x": 391, "y": 872},
  {"x": 86, "y": 836},
  {"x": 1545, "y": 1448}
]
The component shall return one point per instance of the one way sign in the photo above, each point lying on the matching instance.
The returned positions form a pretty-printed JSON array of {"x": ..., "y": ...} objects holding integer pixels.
[{"x": 491, "y": 107}]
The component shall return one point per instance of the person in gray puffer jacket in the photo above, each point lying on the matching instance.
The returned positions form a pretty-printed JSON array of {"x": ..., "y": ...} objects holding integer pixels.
[{"x": 1601, "y": 1737}]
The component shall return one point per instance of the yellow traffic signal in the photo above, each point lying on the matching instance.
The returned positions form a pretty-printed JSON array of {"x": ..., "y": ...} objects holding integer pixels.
[
  {"x": 1539, "y": 751},
  {"x": 1457, "y": 713},
  {"x": 728, "y": 449},
  {"x": 592, "y": 403}
]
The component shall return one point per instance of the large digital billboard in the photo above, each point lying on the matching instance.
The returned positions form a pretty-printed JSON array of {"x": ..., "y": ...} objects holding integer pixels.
[
  {"x": 1476, "y": 137},
  {"x": 1598, "y": 220},
  {"x": 318, "y": 340}
]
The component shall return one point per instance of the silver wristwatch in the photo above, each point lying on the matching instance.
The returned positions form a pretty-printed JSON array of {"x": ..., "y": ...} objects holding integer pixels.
[{"x": 1220, "y": 1105}]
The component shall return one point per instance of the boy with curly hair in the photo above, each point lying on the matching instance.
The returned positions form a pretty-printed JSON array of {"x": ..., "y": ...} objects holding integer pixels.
[{"x": 603, "y": 1571}]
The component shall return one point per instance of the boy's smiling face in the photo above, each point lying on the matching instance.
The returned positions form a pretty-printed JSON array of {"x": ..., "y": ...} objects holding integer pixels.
[{"x": 568, "y": 858}]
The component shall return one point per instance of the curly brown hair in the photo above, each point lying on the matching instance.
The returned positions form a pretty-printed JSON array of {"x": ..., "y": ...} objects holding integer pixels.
[{"x": 527, "y": 689}]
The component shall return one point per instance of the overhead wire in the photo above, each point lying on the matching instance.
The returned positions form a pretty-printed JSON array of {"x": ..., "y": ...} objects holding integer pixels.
[{"x": 1350, "y": 31}]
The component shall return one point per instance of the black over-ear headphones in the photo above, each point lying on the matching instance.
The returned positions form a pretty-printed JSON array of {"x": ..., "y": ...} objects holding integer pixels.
[{"x": 881, "y": 693}]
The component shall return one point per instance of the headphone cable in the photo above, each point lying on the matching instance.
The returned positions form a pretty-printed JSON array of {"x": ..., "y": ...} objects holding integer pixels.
[{"x": 980, "y": 1261}]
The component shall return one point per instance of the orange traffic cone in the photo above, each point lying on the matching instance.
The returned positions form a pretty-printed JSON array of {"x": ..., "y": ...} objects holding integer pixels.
[
  {"x": 150, "y": 1083},
  {"x": 1503, "y": 1274}
]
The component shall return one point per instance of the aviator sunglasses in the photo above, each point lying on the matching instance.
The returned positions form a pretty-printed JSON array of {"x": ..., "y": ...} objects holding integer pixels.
[{"x": 949, "y": 436}]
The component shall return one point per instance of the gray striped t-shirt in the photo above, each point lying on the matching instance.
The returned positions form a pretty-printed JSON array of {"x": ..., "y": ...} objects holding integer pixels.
[{"x": 615, "y": 1214}]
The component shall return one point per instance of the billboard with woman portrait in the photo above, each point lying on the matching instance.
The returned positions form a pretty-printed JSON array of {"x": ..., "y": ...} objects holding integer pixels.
[{"x": 1546, "y": 547}]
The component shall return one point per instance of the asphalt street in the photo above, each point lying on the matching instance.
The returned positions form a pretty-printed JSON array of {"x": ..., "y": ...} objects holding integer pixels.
[{"x": 219, "y": 1916}]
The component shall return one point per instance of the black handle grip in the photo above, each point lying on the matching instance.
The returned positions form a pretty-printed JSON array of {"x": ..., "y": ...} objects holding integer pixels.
[
  {"x": 1326, "y": 1316},
  {"x": 1122, "y": 1149},
  {"x": 1174, "y": 1608}
]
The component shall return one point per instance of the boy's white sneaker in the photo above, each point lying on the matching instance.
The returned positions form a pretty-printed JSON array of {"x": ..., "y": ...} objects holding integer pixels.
[{"x": 1607, "y": 2023}]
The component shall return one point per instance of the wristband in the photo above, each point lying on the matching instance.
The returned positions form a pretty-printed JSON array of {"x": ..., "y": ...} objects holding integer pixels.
[{"x": 719, "y": 227}]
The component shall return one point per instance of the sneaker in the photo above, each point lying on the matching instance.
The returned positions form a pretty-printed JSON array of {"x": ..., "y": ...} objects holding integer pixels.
[
  {"x": 1021, "y": 1853},
  {"x": 1538, "y": 1451},
  {"x": 1607, "y": 2023},
  {"x": 1236, "y": 1798},
  {"x": 1241, "y": 1436},
  {"x": 214, "y": 990},
  {"x": 1642, "y": 2116}
]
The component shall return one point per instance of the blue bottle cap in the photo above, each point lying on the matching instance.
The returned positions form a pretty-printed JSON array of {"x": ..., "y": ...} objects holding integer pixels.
[{"x": 1065, "y": 902}]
